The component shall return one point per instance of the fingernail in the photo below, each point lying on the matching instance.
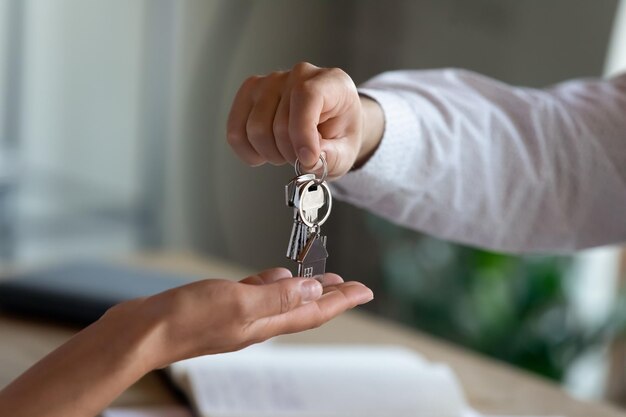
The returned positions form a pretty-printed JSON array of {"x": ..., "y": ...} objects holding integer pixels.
[
  {"x": 306, "y": 156},
  {"x": 366, "y": 298},
  {"x": 311, "y": 290}
]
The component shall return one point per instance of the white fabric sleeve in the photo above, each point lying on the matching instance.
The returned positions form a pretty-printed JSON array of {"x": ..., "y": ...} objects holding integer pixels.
[{"x": 472, "y": 160}]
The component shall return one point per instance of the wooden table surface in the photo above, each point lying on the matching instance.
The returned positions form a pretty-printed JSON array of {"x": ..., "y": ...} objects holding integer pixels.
[{"x": 490, "y": 386}]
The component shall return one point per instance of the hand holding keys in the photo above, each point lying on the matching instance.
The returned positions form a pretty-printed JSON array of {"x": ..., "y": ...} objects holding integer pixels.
[{"x": 311, "y": 201}]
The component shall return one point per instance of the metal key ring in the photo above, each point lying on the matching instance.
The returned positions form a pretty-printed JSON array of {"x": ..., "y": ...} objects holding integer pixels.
[{"x": 324, "y": 167}]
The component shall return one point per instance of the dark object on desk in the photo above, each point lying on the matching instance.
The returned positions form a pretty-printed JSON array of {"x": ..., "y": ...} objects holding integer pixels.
[{"x": 79, "y": 293}]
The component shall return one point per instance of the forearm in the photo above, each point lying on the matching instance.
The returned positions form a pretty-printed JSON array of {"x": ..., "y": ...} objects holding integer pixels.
[
  {"x": 83, "y": 376},
  {"x": 204, "y": 317},
  {"x": 473, "y": 160}
]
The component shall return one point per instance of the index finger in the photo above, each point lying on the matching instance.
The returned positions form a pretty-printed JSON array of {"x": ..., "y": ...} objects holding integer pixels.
[
  {"x": 267, "y": 276},
  {"x": 305, "y": 108},
  {"x": 314, "y": 101}
]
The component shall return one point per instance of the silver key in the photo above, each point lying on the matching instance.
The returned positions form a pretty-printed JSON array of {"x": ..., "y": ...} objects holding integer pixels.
[
  {"x": 299, "y": 232},
  {"x": 294, "y": 240},
  {"x": 292, "y": 196},
  {"x": 314, "y": 195},
  {"x": 298, "y": 240},
  {"x": 311, "y": 201},
  {"x": 312, "y": 198}
]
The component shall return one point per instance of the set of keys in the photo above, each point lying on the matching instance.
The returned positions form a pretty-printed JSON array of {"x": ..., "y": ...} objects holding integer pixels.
[{"x": 311, "y": 200}]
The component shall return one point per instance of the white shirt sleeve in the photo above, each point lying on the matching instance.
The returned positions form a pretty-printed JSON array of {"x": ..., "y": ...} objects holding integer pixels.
[{"x": 470, "y": 159}]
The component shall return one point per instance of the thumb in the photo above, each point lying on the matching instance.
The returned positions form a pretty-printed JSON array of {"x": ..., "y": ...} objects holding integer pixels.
[{"x": 283, "y": 296}]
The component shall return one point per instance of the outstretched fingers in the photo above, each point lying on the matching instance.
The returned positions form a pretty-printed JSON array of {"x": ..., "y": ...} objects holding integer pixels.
[
  {"x": 272, "y": 275},
  {"x": 313, "y": 314},
  {"x": 279, "y": 297}
]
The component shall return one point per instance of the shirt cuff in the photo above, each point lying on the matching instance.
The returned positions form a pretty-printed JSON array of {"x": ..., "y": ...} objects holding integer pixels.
[{"x": 393, "y": 157}]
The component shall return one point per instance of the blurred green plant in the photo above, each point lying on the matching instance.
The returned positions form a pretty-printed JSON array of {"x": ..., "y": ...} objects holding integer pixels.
[{"x": 514, "y": 308}]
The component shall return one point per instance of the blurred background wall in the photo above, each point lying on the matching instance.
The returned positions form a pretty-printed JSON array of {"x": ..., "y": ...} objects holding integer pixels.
[
  {"x": 119, "y": 95},
  {"x": 112, "y": 116}
]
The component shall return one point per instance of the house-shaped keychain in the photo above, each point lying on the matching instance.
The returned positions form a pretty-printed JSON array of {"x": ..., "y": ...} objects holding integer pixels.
[{"x": 312, "y": 259}]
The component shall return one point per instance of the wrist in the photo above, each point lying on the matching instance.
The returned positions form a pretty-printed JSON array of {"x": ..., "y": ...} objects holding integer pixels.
[
  {"x": 373, "y": 120},
  {"x": 137, "y": 332}
]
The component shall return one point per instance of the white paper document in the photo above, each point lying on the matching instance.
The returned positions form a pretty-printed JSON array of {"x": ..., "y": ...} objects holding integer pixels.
[
  {"x": 320, "y": 381},
  {"x": 167, "y": 411},
  {"x": 324, "y": 381}
]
